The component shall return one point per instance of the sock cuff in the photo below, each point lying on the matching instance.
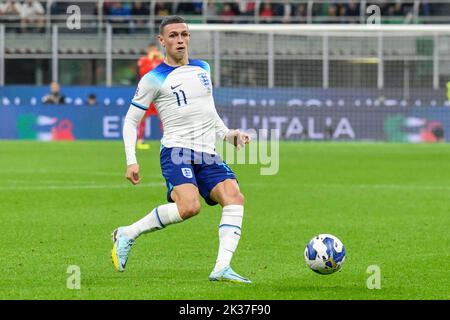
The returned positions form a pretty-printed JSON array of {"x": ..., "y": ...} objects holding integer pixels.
[
  {"x": 233, "y": 209},
  {"x": 168, "y": 214}
]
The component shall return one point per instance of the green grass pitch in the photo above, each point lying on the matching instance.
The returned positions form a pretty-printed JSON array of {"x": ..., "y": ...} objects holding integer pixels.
[{"x": 388, "y": 203}]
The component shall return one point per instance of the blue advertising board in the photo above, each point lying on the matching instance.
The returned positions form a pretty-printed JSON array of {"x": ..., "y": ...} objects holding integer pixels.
[
  {"x": 68, "y": 123},
  {"x": 395, "y": 124}
]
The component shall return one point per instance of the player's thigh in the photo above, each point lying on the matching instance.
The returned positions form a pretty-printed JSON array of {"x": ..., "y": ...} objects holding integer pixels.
[
  {"x": 227, "y": 192},
  {"x": 179, "y": 175},
  {"x": 215, "y": 174},
  {"x": 187, "y": 198}
]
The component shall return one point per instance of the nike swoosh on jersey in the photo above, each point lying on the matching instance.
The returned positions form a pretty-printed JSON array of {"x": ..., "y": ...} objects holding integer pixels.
[{"x": 174, "y": 87}]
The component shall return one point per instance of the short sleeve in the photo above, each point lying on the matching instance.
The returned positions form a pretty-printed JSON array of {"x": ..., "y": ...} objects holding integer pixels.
[
  {"x": 207, "y": 68},
  {"x": 202, "y": 64},
  {"x": 146, "y": 92}
]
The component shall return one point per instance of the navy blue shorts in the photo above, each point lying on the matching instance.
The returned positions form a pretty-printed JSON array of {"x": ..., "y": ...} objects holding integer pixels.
[{"x": 205, "y": 171}]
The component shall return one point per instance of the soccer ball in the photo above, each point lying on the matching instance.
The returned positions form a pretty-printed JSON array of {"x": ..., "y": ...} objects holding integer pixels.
[{"x": 325, "y": 254}]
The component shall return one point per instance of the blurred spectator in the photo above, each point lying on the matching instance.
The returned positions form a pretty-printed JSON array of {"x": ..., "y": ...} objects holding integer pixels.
[
  {"x": 266, "y": 13},
  {"x": 283, "y": 10},
  {"x": 162, "y": 9},
  {"x": 332, "y": 13},
  {"x": 150, "y": 61},
  {"x": 55, "y": 96},
  {"x": 198, "y": 7},
  {"x": 395, "y": 9},
  {"x": 119, "y": 10},
  {"x": 300, "y": 12},
  {"x": 193, "y": 7},
  {"x": 8, "y": 12},
  {"x": 351, "y": 9},
  {"x": 30, "y": 12},
  {"x": 140, "y": 10},
  {"x": 211, "y": 12},
  {"x": 247, "y": 9},
  {"x": 227, "y": 12},
  {"x": 119, "y": 14},
  {"x": 92, "y": 100},
  {"x": 7, "y": 7},
  {"x": 424, "y": 9}
]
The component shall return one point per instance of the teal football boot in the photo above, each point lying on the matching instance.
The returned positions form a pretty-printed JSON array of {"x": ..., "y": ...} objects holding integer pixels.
[
  {"x": 121, "y": 249},
  {"x": 227, "y": 274}
]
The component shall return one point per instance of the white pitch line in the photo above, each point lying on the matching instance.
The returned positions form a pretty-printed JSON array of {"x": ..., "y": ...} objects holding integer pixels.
[
  {"x": 159, "y": 184},
  {"x": 411, "y": 187},
  {"x": 94, "y": 173},
  {"x": 51, "y": 182},
  {"x": 76, "y": 187},
  {"x": 358, "y": 186},
  {"x": 44, "y": 171},
  {"x": 394, "y": 186}
]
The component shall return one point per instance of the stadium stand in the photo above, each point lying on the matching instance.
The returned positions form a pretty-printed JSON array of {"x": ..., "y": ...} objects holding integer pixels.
[
  {"x": 130, "y": 13},
  {"x": 114, "y": 35}
]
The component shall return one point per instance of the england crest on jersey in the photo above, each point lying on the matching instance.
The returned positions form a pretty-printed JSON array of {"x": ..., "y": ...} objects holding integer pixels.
[
  {"x": 204, "y": 79},
  {"x": 187, "y": 172}
]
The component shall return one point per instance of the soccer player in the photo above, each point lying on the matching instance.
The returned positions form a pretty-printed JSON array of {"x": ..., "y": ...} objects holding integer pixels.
[
  {"x": 146, "y": 64},
  {"x": 181, "y": 90}
]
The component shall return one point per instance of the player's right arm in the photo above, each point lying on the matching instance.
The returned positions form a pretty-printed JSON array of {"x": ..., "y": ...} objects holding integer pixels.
[
  {"x": 144, "y": 95},
  {"x": 132, "y": 120}
]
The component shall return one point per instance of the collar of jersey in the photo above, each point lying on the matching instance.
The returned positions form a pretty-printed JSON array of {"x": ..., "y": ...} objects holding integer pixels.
[{"x": 172, "y": 68}]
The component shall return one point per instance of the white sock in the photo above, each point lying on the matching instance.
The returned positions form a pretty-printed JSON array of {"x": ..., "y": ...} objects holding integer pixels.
[
  {"x": 157, "y": 219},
  {"x": 229, "y": 234}
]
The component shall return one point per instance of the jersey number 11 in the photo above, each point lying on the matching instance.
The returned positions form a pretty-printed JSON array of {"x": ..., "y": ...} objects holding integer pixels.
[{"x": 178, "y": 97}]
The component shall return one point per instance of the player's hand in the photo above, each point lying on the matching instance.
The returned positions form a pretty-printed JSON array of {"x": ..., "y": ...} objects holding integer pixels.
[
  {"x": 133, "y": 173},
  {"x": 238, "y": 138}
]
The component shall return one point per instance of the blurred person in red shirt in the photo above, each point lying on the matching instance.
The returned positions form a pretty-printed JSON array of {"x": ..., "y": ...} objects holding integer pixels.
[
  {"x": 146, "y": 64},
  {"x": 227, "y": 13},
  {"x": 266, "y": 13}
]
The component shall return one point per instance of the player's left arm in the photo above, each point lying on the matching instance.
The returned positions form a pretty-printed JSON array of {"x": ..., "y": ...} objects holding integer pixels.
[
  {"x": 234, "y": 136},
  {"x": 238, "y": 138}
]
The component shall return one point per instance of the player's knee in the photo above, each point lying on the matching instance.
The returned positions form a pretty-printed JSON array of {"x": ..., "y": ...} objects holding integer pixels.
[
  {"x": 236, "y": 197},
  {"x": 190, "y": 209},
  {"x": 240, "y": 199}
]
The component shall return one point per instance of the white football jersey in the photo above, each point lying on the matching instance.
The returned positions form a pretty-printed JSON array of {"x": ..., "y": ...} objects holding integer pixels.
[{"x": 184, "y": 101}]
